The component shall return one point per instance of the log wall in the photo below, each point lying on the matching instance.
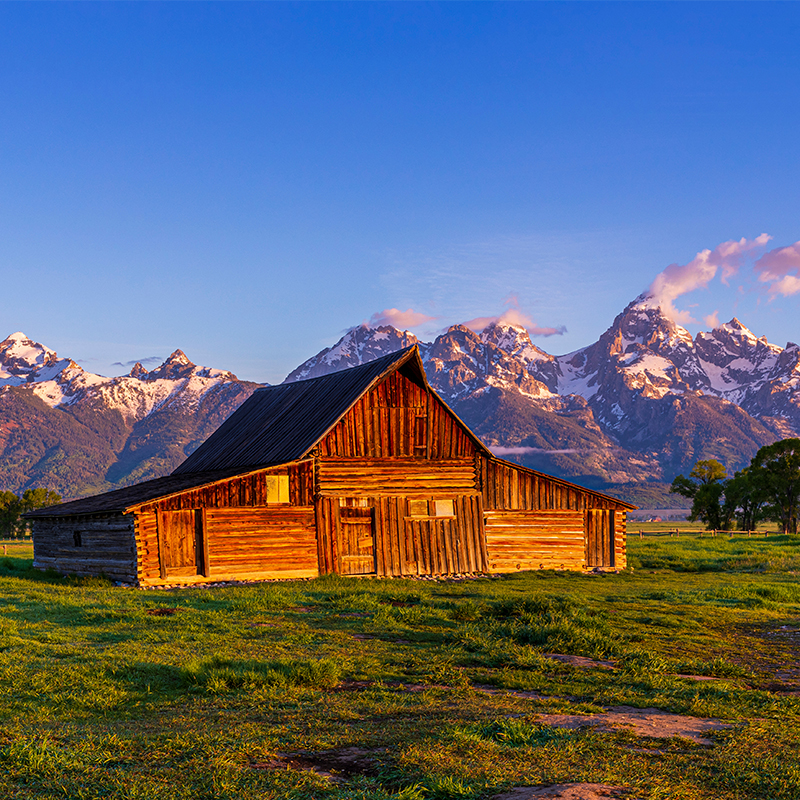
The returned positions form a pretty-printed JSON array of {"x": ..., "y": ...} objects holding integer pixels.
[
  {"x": 406, "y": 544},
  {"x": 537, "y": 522},
  {"x": 271, "y": 542},
  {"x": 86, "y": 546},
  {"x": 535, "y": 540},
  {"x": 372, "y": 477}
]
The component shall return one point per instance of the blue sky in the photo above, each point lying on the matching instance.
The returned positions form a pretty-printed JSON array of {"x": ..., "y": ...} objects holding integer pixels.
[{"x": 247, "y": 181}]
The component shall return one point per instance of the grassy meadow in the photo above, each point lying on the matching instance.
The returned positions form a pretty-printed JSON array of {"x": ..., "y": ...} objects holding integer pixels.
[{"x": 430, "y": 688}]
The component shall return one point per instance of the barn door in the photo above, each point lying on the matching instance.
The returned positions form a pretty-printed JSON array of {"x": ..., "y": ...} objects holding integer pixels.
[
  {"x": 599, "y": 538},
  {"x": 181, "y": 543},
  {"x": 357, "y": 551}
]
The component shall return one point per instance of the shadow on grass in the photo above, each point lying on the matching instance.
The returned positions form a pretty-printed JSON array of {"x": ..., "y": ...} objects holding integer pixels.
[{"x": 20, "y": 567}]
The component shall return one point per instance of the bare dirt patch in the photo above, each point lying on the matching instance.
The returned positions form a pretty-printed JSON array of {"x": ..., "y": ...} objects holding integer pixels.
[
  {"x": 485, "y": 689},
  {"x": 772, "y": 652},
  {"x": 565, "y": 791},
  {"x": 334, "y": 765},
  {"x": 580, "y": 661},
  {"x": 161, "y": 612},
  {"x": 649, "y": 722}
]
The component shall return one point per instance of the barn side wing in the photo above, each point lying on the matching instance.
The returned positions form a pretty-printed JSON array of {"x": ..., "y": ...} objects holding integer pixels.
[
  {"x": 536, "y": 521},
  {"x": 255, "y": 526}
]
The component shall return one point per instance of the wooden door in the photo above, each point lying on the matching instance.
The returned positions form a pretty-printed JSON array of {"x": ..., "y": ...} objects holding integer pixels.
[
  {"x": 357, "y": 541},
  {"x": 599, "y": 538},
  {"x": 181, "y": 543}
]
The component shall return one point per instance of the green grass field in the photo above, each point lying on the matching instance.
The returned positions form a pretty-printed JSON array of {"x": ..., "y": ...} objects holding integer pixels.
[{"x": 110, "y": 692}]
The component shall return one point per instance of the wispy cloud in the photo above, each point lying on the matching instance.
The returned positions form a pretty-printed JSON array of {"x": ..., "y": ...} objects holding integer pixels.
[
  {"x": 399, "y": 319},
  {"x": 780, "y": 269},
  {"x": 514, "y": 316},
  {"x": 142, "y": 361},
  {"x": 678, "y": 279}
]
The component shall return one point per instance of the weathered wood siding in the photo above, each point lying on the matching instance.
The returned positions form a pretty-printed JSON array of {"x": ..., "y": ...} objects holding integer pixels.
[
  {"x": 243, "y": 491},
  {"x": 510, "y": 489},
  {"x": 281, "y": 542},
  {"x": 621, "y": 539},
  {"x": 266, "y": 542},
  {"x": 534, "y": 521},
  {"x": 600, "y": 538},
  {"x": 406, "y": 544},
  {"x": 86, "y": 545},
  {"x": 549, "y": 539},
  {"x": 371, "y": 477},
  {"x": 398, "y": 418}
]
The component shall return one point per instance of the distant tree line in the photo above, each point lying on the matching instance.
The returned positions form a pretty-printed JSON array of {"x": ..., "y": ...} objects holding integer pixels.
[
  {"x": 769, "y": 489},
  {"x": 12, "y": 526}
]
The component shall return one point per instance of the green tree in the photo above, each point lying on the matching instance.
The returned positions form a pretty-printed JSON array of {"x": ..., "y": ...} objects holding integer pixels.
[
  {"x": 775, "y": 475},
  {"x": 12, "y": 507},
  {"x": 705, "y": 486},
  {"x": 743, "y": 500},
  {"x": 9, "y": 514}
]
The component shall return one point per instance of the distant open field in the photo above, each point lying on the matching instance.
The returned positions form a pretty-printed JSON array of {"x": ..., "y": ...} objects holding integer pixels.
[{"x": 409, "y": 689}]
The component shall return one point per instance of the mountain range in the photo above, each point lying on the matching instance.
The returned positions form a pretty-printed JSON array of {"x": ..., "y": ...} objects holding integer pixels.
[{"x": 625, "y": 414}]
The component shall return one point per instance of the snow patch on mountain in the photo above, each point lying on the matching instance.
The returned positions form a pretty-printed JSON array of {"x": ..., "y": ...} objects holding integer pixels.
[{"x": 57, "y": 382}]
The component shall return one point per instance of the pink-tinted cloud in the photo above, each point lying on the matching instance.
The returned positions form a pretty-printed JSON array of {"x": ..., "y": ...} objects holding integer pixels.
[
  {"x": 399, "y": 319},
  {"x": 712, "y": 320},
  {"x": 678, "y": 279},
  {"x": 515, "y": 317},
  {"x": 780, "y": 268}
]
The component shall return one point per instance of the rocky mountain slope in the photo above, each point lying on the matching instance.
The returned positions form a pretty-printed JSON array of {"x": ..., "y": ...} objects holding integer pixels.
[{"x": 79, "y": 433}]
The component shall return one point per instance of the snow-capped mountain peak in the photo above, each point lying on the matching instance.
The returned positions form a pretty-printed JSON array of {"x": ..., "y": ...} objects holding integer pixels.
[
  {"x": 359, "y": 345},
  {"x": 24, "y": 361},
  {"x": 515, "y": 341},
  {"x": 62, "y": 382}
]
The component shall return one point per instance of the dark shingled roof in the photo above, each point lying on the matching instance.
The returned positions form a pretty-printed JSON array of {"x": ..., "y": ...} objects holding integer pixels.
[
  {"x": 120, "y": 499},
  {"x": 283, "y": 423}
]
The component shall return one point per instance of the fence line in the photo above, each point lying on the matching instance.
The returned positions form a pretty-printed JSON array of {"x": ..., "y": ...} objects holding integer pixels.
[{"x": 676, "y": 532}]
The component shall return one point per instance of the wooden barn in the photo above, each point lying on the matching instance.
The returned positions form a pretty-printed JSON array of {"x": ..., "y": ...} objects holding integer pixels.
[{"x": 361, "y": 472}]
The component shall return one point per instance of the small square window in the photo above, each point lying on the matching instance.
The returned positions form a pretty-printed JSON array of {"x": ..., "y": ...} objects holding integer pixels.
[
  {"x": 444, "y": 508},
  {"x": 277, "y": 488},
  {"x": 418, "y": 508}
]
